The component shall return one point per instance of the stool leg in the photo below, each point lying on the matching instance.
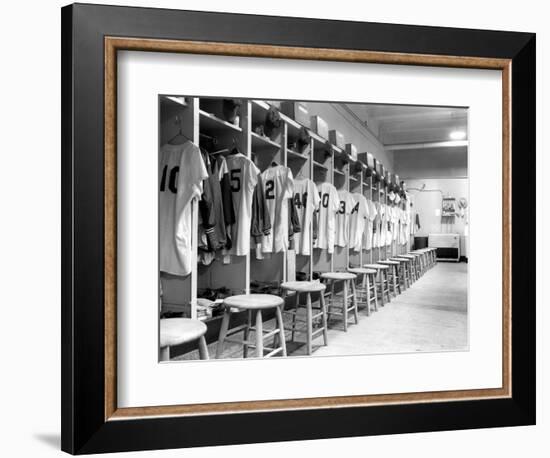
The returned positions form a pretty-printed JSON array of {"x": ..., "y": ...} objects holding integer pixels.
[
  {"x": 375, "y": 295},
  {"x": 246, "y": 333},
  {"x": 394, "y": 275},
  {"x": 309, "y": 324},
  {"x": 367, "y": 290},
  {"x": 203, "y": 348},
  {"x": 345, "y": 303},
  {"x": 387, "y": 284},
  {"x": 259, "y": 335},
  {"x": 324, "y": 317},
  {"x": 381, "y": 284},
  {"x": 281, "y": 324},
  {"x": 296, "y": 304},
  {"x": 223, "y": 331},
  {"x": 165, "y": 354},
  {"x": 354, "y": 301}
]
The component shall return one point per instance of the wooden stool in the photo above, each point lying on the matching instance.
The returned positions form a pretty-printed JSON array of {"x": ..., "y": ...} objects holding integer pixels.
[
  {"x": 383, "y": 280},
  {"x": 177, "y": 331},
  {"x": 420, "y": 261},
  {"x": 308, "y": 287},
  {"x": 404, "y": 266},
  {"x": 395, "y": 283},
  {"x": 410, "y": 266},
  {"x": 253, "y": 304},
  {"x": 367, "y": 281},
  {"x": 417, "y": 264},
  {"x": 349, "y": 284}
]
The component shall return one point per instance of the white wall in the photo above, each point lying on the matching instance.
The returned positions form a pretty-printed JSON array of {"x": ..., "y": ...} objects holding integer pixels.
[
  {"x": 431, "y": 163},
  {"x": 425, "y": 204},
  {"x": 353, "y": 132},
  {"x": 30, "y": 229}
]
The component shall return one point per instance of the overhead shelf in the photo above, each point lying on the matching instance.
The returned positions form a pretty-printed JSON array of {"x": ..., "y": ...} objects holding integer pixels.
[
  {"x": 261, "y": 143},
  {"x": 175, "y": 99},
  {"x": 320, "y": 166},
  {"x": 294, "y": 155},
  {"x": 214, "y": 126}
]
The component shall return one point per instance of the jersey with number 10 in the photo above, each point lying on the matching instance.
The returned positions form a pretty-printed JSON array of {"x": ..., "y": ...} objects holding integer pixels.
[
  {"x": 181, "y": 171},
  {"x": 328, "y": 207}
]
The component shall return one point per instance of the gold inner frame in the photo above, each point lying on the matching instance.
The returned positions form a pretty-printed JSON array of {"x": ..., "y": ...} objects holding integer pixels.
[{"x": 114, "y": 44}]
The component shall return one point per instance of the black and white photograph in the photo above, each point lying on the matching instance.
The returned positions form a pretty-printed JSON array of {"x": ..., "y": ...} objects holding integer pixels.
[{"x": 311, "y": 228}]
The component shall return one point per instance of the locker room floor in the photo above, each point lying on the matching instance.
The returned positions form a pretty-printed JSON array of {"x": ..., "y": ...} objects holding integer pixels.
[{"x": 430, "y": 316}]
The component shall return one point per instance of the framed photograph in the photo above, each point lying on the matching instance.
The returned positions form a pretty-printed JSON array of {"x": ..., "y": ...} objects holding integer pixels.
[{"x": 284, "y": 228}]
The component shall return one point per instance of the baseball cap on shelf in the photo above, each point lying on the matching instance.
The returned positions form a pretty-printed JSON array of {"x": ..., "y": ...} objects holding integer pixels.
[
  {"x": 230, "y": 109},
  {"x": 272, "y": 122}
]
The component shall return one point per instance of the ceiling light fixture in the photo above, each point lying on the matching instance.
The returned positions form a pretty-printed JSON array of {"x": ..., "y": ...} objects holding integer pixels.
[{"x": 457, "y": 135}]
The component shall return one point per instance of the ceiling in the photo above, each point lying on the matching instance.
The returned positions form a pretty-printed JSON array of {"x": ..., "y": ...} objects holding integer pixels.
[{"x": 408, "y": 124}]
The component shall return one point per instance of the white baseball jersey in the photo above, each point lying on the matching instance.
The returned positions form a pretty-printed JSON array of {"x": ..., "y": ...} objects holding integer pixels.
[
  {"x": 278, "y": 188},
  {"x": 347, "y": 203},
  {"x": 243, "y": 175},
  {"x": 181, "y": 171},
  {"x": 306, "y": 201},
  {"x": 328, "y": 207},
  {"x": 358, "y": 220},
  {"x": 368, "y": 243}
]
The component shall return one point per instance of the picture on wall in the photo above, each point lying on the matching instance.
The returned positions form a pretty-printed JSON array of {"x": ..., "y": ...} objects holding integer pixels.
[{"x": 303, "y": 228}]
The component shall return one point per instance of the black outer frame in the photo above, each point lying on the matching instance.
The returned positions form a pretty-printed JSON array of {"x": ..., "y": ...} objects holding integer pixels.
[{"x": 84, "y": 429}]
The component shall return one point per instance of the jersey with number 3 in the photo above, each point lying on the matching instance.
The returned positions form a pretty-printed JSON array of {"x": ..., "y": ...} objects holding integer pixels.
[
  {"x": 181, "y": 171},
  {"x": 328, "y": 207},
  {"x": 347, "y": 203},
  {"x": 278, "y": 188},
  {"x": 243, "y": 176}
]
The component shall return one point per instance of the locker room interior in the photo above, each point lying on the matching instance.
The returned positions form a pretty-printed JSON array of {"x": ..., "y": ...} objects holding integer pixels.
[{"x": 411, "y": 160}]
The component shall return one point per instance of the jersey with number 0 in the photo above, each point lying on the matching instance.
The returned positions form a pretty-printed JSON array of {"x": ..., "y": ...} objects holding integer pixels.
[
  {"x": 243, "y": 176},
  {"x": 306, "y": 200},
  {"x": 347, "y": 203},
  {"x": 278, "y": 187},
  {"x": 181, "y": 173},
  {"x": 328, "y": 207},
  {"x": 358, "y": 220}
]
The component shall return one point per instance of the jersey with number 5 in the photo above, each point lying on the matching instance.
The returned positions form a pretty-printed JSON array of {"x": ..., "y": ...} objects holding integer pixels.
[{"x": 243, "y": 176}]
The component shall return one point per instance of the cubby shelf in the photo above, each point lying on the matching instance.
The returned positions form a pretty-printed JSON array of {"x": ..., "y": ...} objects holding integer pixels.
[
  {"x": 319, "y": 165},
  {"x": 214, "y": 125},
  {"x": 175, "y": 99},
  {"x": 261, "y": 143},
  {"x": 294, "y": 155},
  {"x": 339, "y": 172}
]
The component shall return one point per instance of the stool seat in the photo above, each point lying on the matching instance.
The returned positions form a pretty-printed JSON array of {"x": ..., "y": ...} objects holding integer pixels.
[
  {"x": 406, "y": 256},
  {"x": 338, "y": 276},
  {"x": 375, "y": 266},
  {"x": 361, "y": 270},
  {"x": 398, "y": 259},
  {"x": 253, "y": 301},
  {"x": 303, "y": 286},
  {"x": 390, "y": 263},
  {"x": 177, "y": 331}
]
